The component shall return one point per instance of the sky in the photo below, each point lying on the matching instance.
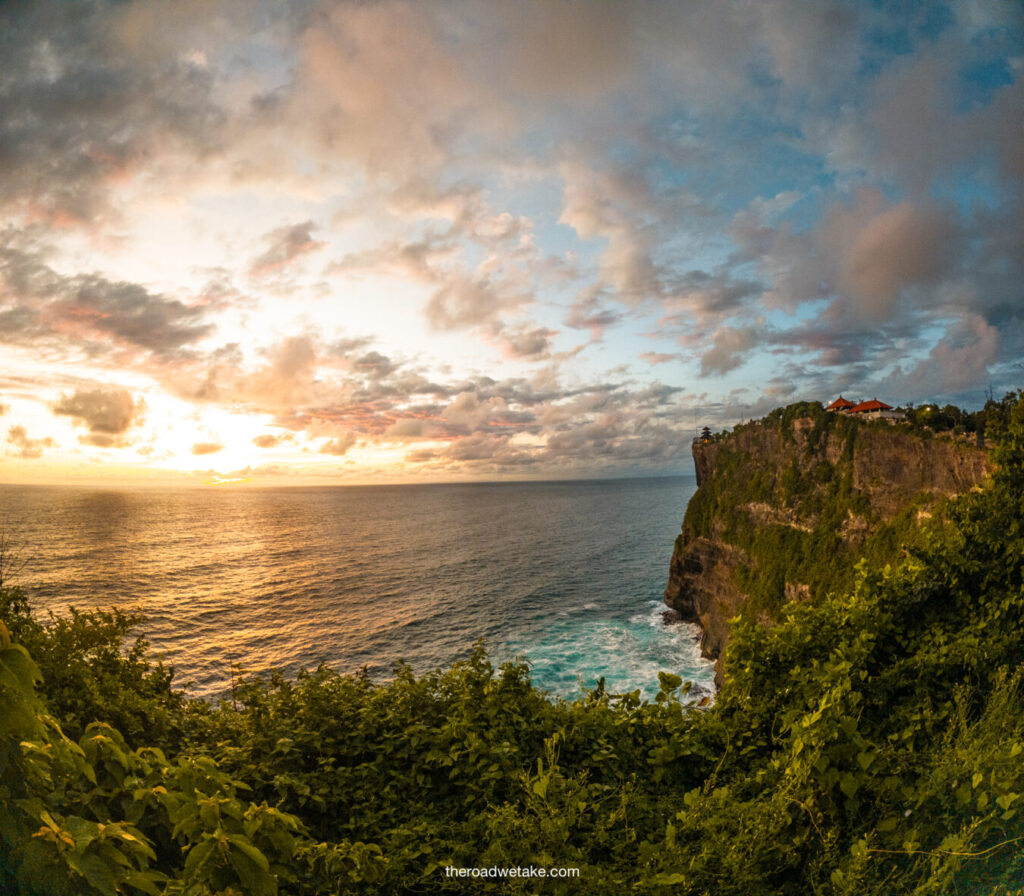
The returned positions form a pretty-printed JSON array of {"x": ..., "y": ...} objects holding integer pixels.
[{"x": 347, "y": 242}]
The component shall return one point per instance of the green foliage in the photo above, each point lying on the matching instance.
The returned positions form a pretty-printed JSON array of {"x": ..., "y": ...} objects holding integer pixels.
[
  {"x": 88, "y": 674},
  {"x": 868, "y": 742}
]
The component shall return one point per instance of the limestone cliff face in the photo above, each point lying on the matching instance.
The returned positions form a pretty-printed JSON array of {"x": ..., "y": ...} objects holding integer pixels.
[{"x": 786, "y": 505}]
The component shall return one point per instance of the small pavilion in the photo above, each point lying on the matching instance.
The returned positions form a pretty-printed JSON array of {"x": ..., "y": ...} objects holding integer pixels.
[
  {"x": 870, "y": 407},
  {"x": 840, "y": 404}
]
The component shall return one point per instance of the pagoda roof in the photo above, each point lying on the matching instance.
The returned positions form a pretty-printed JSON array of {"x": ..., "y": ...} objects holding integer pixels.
[
  {"x": 840, "y": 404},
  {"x": 873, "y": 405}
]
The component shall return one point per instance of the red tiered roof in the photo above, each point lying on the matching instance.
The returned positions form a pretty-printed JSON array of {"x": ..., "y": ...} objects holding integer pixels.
[
  {"x": 840, "y": 404},
  {"x": 874, "y": 405}
]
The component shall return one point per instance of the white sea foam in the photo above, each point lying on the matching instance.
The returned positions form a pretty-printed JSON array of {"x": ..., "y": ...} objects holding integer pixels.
[{"x": 575, "y": 654}]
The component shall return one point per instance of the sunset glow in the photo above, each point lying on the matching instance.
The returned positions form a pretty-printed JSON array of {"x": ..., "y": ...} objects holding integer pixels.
[{"x": 328, "y": 242}]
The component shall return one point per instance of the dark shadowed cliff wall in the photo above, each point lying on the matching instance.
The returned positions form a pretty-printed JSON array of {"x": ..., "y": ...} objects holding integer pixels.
[{"x": 785, "y": 507}]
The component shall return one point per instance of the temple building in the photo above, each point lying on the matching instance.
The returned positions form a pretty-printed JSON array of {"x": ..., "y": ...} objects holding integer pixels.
[{"x": 870, "y": 410}]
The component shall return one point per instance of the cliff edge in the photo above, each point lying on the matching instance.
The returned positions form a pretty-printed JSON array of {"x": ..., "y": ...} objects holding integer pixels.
[{"x": 787, "y": 505}]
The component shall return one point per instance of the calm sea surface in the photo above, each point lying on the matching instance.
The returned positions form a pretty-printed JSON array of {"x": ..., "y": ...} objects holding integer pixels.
[{"x": 568, "y": 575}]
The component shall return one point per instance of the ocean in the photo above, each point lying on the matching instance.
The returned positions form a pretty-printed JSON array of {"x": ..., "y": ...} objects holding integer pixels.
[{"x": 568, "y": 576}]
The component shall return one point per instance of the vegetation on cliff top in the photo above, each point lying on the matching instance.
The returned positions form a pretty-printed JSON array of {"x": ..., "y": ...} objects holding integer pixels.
[
  {"x": 823, "y": 524},
  {"x": 870, "y": 743}
]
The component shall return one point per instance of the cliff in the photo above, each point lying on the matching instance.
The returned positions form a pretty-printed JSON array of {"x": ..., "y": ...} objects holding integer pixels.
[{"x": 787, "y": 505}]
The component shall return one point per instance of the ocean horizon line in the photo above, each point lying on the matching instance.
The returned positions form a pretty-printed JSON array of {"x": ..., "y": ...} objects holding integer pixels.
[{"x": 248, "y": 485}]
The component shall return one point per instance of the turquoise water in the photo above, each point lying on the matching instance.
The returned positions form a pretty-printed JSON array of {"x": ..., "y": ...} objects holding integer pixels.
[
  {"x": 566, "y": 575},
  {"x": 576, "y": 651}
]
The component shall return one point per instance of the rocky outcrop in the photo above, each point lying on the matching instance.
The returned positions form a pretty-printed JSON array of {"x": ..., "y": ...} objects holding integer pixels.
[
  {"x": 701, "y": 588},
  {"x": 776, "y": 495}
]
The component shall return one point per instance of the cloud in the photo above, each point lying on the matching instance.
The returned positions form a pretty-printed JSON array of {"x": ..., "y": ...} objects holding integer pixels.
[
  {"x": 960, "y": 361},
  {"x": 497, "y": 425},
  {"x": 868, "y": 252},
  {"x": 293, "y": 357},
  {"x": 91, "y": 310},
  {"x": 266, "y": 440},
  {"x": 472, "y": 410},
  {"x": 567, "y": 51},
  {"x": 104, "y": 412},
  {"x": 587, "y": 313},
  {"x": 381, "y": 86},
  {"x": 285, "y": 246},
  {"x": 919, "y": 131},
  {"x": 200, "y": 448},
  {"x": 654, "y": 358},
  {"x": 375, "y": 365},
  {"x": 342, "y": 348},
  {"x": 287, "y": 377},
  {"x": 792, "y": 30},
  {"x": 24, "y": 447},
  {"x": 101, "y": 440},
  {"x": 471, "y": 300},
  {"x": 418, "y": 261},
  {"x": 81, "y": 114},
  {"x": 873, "y": 279},
  {"x": 340, "y": 445},
  {"x": 130, "y": 315},
  {"x": 729, "y": 346},
  {"x": 709, "y": 298},
  {"x": 481, "y": 268},
  {"x": 533, "y": 344},
  {"x": 502, "y": 427},
  {"x": 615, "y": 205},
  {"x": 881, "y": 250}
]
